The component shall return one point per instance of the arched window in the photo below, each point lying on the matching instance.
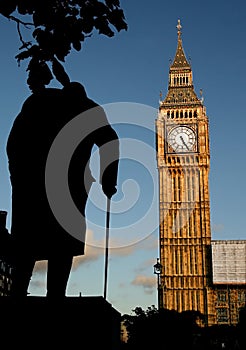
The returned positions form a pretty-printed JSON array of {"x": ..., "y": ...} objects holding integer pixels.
[
  {"x": 188, "y": 182},
  {"x": 174, "y": 187},
  {"x": 179, "y": 189}
]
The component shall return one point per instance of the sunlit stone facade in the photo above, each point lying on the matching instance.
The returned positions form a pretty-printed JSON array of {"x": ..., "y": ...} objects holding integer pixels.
[{"x": 183, "y": 160}]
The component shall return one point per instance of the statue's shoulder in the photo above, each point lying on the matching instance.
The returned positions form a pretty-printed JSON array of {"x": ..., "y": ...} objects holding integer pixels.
[{"x": 41, "y": 97}]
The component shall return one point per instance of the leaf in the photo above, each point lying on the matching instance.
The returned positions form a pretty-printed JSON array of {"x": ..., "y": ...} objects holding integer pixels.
[
  {"x": 22, "y": 56},
  {"x": 7, "y": 7},
  {"x": 39, "y": 75},
  {"x": 59, "y": 72},
  {"x": 87, "y": 25},
  {"x": 77, "y": 45},
  {"x": 101, "y": 23},
  {"x": 25, "y": 7},
  {"x": 112, "y": 3},
  {"x": 58, "y": 27},
  {"x": 116, "y": 18}
]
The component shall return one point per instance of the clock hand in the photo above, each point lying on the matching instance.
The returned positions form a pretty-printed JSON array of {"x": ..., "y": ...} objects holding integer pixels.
[{"x": 183, "y": 141}]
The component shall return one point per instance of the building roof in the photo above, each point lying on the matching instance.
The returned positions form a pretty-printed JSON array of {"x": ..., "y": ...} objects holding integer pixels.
[
  {"x": 229, "y": 261},
  {"x": 180, "y": 61},
  {"x": 181, "y": 91}
]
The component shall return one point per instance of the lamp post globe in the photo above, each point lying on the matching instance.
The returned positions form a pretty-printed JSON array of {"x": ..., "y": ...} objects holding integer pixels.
[{"x": 157, "y": 271}]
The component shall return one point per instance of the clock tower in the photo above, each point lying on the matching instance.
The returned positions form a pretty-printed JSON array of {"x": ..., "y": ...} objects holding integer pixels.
[{"x": 183, "y": 160}]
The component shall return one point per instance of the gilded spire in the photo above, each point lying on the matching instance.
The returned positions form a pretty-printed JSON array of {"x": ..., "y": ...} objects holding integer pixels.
[
  {"x": 180, "y": 84},
  {"x": 179, "y": 27},
  {"x": 180, "y": 60}
]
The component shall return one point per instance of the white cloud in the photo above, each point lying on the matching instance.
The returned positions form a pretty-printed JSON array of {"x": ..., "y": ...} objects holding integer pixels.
[
  {"x": 94, "y": 251},
  {"x": 148, "y": 283},
  {"x": 217, "y": 227}
]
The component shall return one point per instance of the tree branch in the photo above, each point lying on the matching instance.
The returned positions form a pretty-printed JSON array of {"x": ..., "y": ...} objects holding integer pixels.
[{"x": 25, "y": 24}]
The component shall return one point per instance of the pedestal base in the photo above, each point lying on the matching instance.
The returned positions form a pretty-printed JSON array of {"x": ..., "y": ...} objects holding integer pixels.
[{"x": 81, "y": 322}]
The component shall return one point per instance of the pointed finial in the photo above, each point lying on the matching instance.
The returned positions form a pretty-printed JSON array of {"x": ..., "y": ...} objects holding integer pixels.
[
  {"x": 201, "y": 94},
  {"x": 160, "y": 98},
  {"x": 179, "y": 27}
]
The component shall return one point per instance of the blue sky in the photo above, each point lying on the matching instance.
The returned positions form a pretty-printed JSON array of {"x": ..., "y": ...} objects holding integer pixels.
[{"x": 126, "y": 74}]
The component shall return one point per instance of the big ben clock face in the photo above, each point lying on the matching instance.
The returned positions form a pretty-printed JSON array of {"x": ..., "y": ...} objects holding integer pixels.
[{"x": 182, "y": 139}]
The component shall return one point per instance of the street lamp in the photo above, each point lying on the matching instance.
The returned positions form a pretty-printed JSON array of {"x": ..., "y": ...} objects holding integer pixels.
[{"x": 157, "y": 271}]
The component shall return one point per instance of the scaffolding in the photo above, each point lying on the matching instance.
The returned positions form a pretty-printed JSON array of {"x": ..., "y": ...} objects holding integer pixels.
[{"x": 229, "y": 261}]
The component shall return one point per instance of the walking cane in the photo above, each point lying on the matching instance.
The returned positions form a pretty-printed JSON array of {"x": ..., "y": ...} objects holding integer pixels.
[{"x": 106, "y": 248}]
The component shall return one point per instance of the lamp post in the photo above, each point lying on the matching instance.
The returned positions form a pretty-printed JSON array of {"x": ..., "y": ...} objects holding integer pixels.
[{"x": 157, "y": 271}]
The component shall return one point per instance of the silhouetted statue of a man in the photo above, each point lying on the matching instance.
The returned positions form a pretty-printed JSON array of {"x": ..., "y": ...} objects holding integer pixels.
[{"x": 36, "y": 233}]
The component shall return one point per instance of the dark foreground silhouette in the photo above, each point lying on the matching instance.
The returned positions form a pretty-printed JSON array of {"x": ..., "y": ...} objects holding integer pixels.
[
  {"x": 35, "y": 232},
  {"x": 180, "y": 331},
  {"x": 68, "y": 323}
]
